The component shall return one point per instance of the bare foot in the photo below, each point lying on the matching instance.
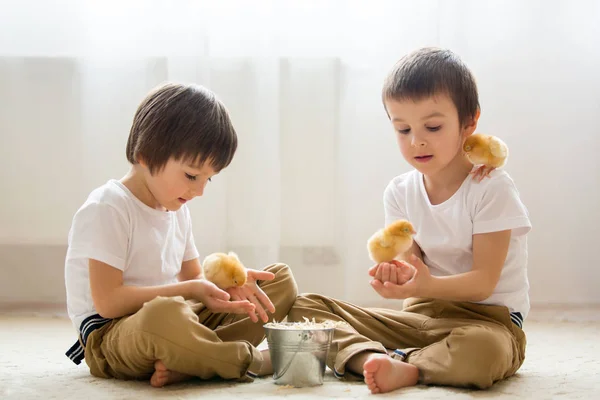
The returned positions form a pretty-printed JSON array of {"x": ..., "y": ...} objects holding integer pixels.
[
  {"x": 267, "y": 367},
  {"x": 162, "y": 376},
  {"x": 384, "y": 374}
]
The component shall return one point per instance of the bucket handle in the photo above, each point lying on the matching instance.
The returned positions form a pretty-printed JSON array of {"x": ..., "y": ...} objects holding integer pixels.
[{"x": 305, "y": 337}]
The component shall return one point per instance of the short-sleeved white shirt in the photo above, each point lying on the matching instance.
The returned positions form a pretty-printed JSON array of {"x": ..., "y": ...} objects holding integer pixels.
[
  {"x": 115, "y": 227},
  {"x": 445, "y": 231}
]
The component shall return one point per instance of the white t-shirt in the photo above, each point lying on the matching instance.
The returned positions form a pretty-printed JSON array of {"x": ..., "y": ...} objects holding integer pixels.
[
  {"x": 445, "y": 231},
  {"x": 115, "y": 227}
]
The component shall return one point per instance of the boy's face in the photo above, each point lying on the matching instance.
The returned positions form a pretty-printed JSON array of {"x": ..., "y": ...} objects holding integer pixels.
[
  {"x": 428, "y": 131},
  {"x": 177, "y": 183}
]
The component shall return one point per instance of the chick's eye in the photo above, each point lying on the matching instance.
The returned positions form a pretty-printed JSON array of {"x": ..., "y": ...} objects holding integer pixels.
[
  {"x": 210, "y": 179},
  {"x": 190, "y": 177}
]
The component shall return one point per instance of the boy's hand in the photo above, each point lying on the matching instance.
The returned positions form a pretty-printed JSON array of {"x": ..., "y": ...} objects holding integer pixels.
[
  {"x": 414, "y": 287},
  {"x": 217, "y": 300},
  {"x": 254, "y": 294},
  {"x": 395, "y": 272}
]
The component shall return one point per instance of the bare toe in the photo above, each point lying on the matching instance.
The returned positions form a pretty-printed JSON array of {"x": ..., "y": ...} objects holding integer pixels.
[{"x": 163, "y": 376}]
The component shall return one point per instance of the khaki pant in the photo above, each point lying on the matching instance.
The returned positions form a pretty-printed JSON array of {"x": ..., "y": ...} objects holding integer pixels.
[
  {"x": 451, "y": 343},
  {"x": 187, "y": 337}
]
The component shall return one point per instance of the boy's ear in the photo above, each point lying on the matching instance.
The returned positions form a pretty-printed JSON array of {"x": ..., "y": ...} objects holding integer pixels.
[{"x": 471, "y": 125}]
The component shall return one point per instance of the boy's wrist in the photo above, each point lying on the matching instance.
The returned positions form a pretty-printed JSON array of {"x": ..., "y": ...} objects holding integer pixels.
[
  {"x": 190, "y": 289},
  {"x": 431, "y": 289}
]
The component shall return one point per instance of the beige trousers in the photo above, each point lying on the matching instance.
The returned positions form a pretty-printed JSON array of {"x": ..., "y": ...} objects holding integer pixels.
[
  {"x": 187, "y": 337},
  {"x": 451, "y": 343}
]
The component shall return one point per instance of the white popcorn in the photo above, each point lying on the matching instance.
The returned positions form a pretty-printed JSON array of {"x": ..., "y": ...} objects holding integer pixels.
[{"x": 306, "y": 324}]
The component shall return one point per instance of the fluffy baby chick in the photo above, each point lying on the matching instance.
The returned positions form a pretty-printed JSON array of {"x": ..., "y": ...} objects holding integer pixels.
[
  {"x": 487, "y": 151},
  {"x": 224, "y": 270},
  {"x": 394, "y": 239}
]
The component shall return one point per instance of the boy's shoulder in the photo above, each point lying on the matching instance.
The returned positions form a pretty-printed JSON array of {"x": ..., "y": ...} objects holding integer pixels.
[
  {"x": 498, "y": 181},
  {"x": 101, "y": 221},
  {"x": 495, "y": 198},
  {"x": 112, "y": 203},
  {"x": 112, "y": 194}
]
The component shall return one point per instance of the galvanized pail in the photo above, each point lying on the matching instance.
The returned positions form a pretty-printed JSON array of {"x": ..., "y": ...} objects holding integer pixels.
[{"x": 298, "y": 354}]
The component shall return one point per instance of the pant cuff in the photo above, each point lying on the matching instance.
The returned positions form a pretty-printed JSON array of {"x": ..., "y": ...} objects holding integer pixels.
[
  {"x": 402, "y": 354},
  {"x": 253, "y": 369},
  {"x": 339, "y": 368}
]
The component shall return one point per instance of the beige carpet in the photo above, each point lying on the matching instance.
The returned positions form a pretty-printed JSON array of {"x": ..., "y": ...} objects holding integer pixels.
[{"x": 563, "y": 362}]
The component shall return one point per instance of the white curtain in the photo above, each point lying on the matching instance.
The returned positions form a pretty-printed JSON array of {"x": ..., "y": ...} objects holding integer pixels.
[{"x": 302, "y": 82}]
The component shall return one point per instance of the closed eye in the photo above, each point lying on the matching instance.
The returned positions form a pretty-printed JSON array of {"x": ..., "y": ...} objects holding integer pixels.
[
  {"x": 404, "y": 131},
  {"x": 190, "y": 177},
  {"x": 434, "y": 128}
]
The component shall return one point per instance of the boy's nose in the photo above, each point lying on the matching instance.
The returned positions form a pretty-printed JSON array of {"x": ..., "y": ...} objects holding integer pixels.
[
  {"x": 198, "y": 190},
  {"x": 417, "y": 142}
]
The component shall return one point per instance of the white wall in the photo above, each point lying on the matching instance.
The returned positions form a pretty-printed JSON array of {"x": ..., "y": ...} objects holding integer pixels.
[{"x": 316, "y": 149}]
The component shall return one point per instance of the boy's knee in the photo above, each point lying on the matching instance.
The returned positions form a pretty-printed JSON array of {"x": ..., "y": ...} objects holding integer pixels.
[
  {"x": 303, "y": 302},
  {"x": 284, "y": 278},
  {"x": 486, "y": 356},
  {"x": 282, "y": 289},
  {"x": 161, "y": 312},
  {"x": 307, "y": 299},
  {"x": 489, "y": 345}
]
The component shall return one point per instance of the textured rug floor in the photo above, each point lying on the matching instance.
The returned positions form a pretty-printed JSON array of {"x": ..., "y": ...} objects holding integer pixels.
[{"x": 563, "y": 362}]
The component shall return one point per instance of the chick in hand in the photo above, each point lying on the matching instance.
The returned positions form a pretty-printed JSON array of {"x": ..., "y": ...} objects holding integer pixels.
[
  {"x": 487, "y": 151},
  {"x": 394, "y": 239},
  {"x": 224, "y": 270}
]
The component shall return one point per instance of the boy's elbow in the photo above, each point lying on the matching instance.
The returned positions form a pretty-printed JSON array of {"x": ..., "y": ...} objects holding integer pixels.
[
  {"x": 108, "y": 314},
  {"x": 479, "y": 296},
  {"x": 483, "y": 292},
  {"x": 105, "y": 309}
]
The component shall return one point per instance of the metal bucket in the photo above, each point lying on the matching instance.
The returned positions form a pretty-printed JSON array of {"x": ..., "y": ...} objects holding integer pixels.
[{"x": 298, "y": 355}]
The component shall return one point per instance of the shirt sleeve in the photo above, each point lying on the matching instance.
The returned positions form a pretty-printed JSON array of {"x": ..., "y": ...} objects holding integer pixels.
[
  {"x": 191, "y": 251},
  {"x": 500, "y": 208},
  {"x": 393, "y": 204},
  {"x": 100, "y": 232}
]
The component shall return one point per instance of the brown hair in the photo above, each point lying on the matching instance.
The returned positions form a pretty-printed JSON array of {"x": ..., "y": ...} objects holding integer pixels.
[
  {"x": 184, "y": 122},
  {"x": 431, "y": 71}
]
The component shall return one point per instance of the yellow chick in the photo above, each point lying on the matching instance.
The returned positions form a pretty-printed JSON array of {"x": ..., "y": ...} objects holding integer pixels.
[
  {"x": 394, "y": 239},
  {"x": 224, "y": 270},
  {"x": 486, "y": 150}
]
